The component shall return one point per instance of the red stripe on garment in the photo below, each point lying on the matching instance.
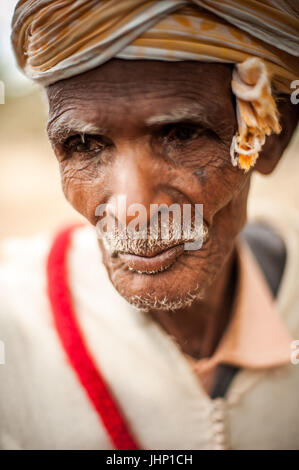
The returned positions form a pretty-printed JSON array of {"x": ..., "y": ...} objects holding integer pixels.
[{"x": 74, "y": 345}]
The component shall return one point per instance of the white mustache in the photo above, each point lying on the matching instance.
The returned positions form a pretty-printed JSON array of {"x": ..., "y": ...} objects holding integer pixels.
[{"x": 153, "y": 241}]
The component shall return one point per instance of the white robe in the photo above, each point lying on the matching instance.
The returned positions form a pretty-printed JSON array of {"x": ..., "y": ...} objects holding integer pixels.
[{"x": 43, "y": 406}]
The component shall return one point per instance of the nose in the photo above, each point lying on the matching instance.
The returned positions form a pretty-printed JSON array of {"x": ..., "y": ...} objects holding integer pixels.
[{"x": 137, "y": 185}]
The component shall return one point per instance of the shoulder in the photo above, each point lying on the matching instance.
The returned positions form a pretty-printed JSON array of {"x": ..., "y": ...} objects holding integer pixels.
[
  {"x": 22, "y": 280},
  {"x": 21, "y": 252},
  {"x": 23, "y": 274},
  {"x": 26, "y": 317},
  {"x": 35, "y": 376},
  {"x": 22, "y": 263}
]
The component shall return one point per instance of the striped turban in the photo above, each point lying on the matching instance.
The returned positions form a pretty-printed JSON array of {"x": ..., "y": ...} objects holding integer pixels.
[{"x": 57, "y": 39}]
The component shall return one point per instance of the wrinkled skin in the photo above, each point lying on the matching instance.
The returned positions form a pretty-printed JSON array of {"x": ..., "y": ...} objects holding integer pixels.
[{"x": 183, "y": 162}]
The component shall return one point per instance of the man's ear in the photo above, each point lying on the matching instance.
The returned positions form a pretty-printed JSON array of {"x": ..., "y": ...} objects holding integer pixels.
[{"x": 276, "y": 144}]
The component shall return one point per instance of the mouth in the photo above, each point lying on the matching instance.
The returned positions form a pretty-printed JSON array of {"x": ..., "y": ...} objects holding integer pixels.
[{"x": 152, "y": 264}]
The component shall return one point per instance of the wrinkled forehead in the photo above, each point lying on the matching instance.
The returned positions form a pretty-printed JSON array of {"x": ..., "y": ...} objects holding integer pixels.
[{"x": 145, "y": 89}]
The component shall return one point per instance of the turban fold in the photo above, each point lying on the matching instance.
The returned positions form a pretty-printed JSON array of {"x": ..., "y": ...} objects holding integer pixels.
[{"x": 57, "y": 39}]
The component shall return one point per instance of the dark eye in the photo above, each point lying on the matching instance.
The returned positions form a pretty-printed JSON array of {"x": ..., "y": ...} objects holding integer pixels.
[
  {"x": 85, "y": 144},
  {"x": 182, "y": 132}
]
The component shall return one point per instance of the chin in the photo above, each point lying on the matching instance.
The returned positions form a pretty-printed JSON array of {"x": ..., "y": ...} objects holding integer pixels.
[
  {"x": 149, "y": 302},
  {"x": 174, "y": 288}
]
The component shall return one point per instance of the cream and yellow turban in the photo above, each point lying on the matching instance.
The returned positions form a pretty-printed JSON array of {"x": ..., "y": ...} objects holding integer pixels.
[{"x": 57, "y": 39}]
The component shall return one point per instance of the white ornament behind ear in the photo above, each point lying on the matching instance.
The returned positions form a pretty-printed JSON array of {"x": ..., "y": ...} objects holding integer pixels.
[{"x": 257, "y": 113}]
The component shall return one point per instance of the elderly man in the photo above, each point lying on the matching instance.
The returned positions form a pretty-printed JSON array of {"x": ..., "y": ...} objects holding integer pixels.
[{"x": 149, "y": 343}]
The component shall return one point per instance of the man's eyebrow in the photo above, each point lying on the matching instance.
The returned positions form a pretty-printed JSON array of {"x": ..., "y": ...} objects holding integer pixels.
[
  {"x": 65, "y": 125},
  {"x": 193, "y": 113}
]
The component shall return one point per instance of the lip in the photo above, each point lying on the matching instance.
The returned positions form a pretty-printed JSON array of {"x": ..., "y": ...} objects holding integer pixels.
[{"x": 152, "y": 264}]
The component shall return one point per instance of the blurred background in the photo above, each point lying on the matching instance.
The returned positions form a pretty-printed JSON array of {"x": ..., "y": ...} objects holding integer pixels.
[{"x": 31, "y": 199}]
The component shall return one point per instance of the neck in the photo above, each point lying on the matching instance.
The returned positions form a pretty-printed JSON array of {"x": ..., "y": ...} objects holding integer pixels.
[{"x": 199, "y": 328}]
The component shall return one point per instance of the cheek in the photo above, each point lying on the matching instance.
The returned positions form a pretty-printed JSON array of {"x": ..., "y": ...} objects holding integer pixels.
[
  {"x": 223, "y": 191},
  {"x": 83, "y": 186},
  {"x": 227, "y": 224},
  {"x": 226, "y": 190},
  {"x": 207, "y": 177}
]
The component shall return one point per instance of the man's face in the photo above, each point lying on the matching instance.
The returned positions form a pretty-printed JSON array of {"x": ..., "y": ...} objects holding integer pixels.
[{"x": 156, "y": 133}]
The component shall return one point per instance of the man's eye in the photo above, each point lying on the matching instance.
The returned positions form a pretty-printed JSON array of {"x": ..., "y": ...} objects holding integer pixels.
[
  {"x": 182, "y": 132},
  {"x": 84, "y": 144}
]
